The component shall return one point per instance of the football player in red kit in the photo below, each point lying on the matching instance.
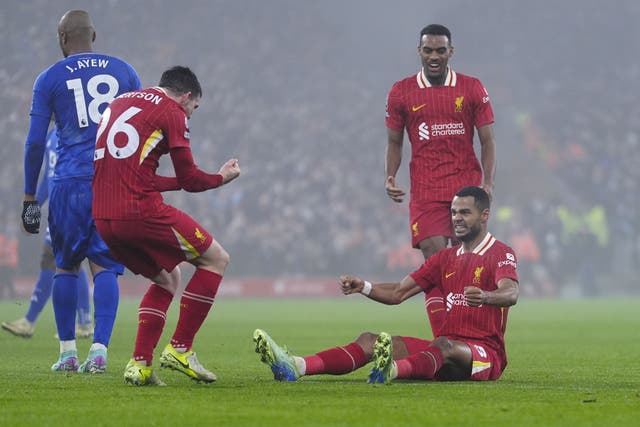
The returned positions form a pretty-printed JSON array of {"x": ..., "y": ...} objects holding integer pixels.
[
  {"x": 479, "y": 281},
  {"x": 439, "y": 109},
  {"x": 148, "y": 236}
]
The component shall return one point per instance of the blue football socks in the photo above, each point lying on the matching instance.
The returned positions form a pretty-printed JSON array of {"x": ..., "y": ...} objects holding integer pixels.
[
  {"x": 40, "y": 295},
  {"x": 106, "y": 295},
  {"x": 65, "y": 301},
  {"x": 84, "y": 305}
]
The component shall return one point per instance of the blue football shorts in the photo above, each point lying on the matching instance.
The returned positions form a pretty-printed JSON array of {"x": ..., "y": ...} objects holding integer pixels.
[{"x": 73, "y": 232}]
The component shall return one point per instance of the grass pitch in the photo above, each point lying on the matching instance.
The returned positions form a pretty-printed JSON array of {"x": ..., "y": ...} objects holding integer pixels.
[{"x": 571, "y": 363}]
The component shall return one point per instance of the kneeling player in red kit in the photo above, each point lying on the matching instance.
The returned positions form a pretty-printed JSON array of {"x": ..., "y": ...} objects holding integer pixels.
[{"x": 479, "y": 281}]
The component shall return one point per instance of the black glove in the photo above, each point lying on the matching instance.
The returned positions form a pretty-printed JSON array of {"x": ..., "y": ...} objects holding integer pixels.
[{"x": 31, "y": 216}]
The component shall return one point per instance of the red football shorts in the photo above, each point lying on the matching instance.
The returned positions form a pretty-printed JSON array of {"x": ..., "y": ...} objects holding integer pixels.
[
  {"x": 415, "y": 345},
  {"x": 432, "y": 219},
  {"x": 154, "y": 243},
  {"x": 487, "y": 365}
]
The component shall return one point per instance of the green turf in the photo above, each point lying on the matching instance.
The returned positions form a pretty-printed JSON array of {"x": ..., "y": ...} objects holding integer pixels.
[{"x": 571, "y": 363}]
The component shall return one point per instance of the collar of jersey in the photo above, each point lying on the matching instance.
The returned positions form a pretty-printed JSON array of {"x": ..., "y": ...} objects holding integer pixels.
[
  {"x": 424, "y": 83},
  {"x": 481, "y": 247}
]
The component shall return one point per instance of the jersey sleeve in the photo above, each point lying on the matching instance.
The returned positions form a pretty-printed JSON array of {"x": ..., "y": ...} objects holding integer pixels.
[
  {"x": 507, "y": 264},
  {"x": 41, "y": 111},
  {"x": 189, "y": 177},
  {"x": 483, "y": 109},
  {"x": 175, "y": 128},
  {"x": 428, "y": 275},
  {"x": 166, "y": 183},
  {"x": 34, "y": 152},
  {"x": 42, "y": 103},
  {"x": 395, "y": 116},
  {"x": 134, "y": 79}
]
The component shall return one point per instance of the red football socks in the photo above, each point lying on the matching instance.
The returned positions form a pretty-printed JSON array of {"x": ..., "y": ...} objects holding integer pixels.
[
  {"x": 151, "y": 318},
  {"x": 195, "y": 304},
  {"x": 423, "y": 365},
  {"x": 337, "y": 360}
]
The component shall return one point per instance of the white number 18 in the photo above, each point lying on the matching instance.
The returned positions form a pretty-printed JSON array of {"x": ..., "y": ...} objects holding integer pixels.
[{"x": 98, "y": 98}]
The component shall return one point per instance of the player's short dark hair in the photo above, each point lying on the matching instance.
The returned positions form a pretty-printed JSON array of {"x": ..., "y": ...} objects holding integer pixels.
[
  {"x": 436, "y": 30},
  {"x": 181, "y": 80},
  {"x": 480, "y": 197}
]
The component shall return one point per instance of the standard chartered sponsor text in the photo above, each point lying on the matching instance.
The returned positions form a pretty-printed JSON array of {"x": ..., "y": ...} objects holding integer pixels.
[{"x": 445, "y": 129}]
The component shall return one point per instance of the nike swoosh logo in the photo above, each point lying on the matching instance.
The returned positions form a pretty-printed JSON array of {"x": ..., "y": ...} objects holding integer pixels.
[
  {"x": 186, "y": 366},
  {"x": 446, "y": 276},
  {"x": 417, "y": 107},
  {"x": 436, "y": 310}
]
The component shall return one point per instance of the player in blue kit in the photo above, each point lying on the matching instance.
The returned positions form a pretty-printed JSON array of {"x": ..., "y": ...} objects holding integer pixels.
[
  {"x": 24, "y": 327},
  {"x": 75, "y": 90}
]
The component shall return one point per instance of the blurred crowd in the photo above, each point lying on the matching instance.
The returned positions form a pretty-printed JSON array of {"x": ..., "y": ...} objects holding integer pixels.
[{"x": 309, "y": 134}]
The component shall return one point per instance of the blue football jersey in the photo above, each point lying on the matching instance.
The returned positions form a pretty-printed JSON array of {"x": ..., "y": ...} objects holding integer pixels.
[{"x": 76, "y": 90}]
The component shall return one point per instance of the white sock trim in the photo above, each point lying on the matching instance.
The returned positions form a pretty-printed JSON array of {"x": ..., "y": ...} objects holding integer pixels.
[
  {"x": 301, "y": 365},
  {"x": 68, "y": 346},
  {"x": 98, "y": 346}
]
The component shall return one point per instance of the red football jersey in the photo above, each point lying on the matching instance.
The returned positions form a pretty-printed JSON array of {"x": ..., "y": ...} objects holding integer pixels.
[
  {"x": 136, "y": 129},
  {"x": 451, "y": 270},
  {"x": 440, "y": 122}
]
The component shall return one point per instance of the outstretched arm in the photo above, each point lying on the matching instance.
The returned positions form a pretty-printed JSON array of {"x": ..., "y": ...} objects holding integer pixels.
[
  {"x": 166, "y": 183},
  {"x": 385, "y": 293},
  {"x": 190, "y": 178}
]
